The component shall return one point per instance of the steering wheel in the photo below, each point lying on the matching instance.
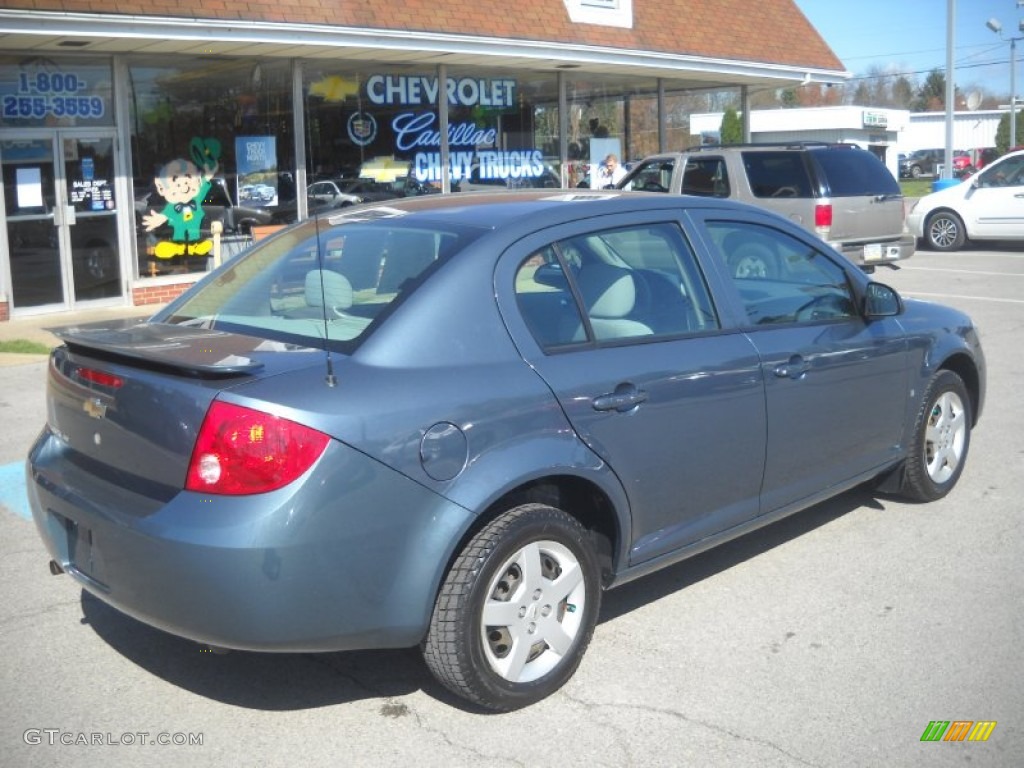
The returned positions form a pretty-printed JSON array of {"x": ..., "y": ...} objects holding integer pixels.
[{"x": 653, "y": 186}]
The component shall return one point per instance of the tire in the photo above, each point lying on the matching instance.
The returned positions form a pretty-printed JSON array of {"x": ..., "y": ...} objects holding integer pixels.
[
  {"x": 517, "y": 609},
  {"x": 915, "y": 171},
  {"x": 942, "y": 438},
  {"x": 945, "y": 232}
]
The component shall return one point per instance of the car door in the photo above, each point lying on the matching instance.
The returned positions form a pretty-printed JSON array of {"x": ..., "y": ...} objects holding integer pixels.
[
  {"x": 835, "y": 383},
  {"x": 993, "y": 206},
  {"x": 645, "y": 374}
]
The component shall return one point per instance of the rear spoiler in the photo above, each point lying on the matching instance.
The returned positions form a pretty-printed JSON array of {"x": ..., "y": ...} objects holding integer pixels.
[{"x": 193, "y": 351}]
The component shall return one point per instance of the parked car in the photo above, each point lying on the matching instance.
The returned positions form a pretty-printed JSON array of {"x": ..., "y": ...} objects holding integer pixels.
[
  {"x": 840, "y": 192},
  {"x": 453, "y": 421},
  {"x": 321, "y": 197},
  {"x": 987, "y": 206},
  {"x": 338, "y": 193},
  {"x": 921, "y": 162}
]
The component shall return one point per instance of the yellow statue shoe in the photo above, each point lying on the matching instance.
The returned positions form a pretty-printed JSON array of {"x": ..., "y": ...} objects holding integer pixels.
[
  {"x": 165, "y": 249},
  {"x": 201, "y": 248}
]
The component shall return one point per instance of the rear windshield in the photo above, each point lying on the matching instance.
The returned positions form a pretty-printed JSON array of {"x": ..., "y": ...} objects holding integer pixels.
[
  {"x": 854, "y": 172},
  {"x": 314, "y": 281}
]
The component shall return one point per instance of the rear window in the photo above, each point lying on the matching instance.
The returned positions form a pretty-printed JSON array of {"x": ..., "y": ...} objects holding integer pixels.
[
  {"x": 312, "y": 282},
  {"x": 855, "y": 172}
]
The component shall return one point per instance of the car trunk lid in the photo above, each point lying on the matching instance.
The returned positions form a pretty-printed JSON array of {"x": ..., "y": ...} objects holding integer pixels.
[{"x": 128, "y": 399}]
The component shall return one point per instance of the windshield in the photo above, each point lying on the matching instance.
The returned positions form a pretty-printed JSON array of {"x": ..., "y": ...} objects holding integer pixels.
[{"x": 318, "y": 281}]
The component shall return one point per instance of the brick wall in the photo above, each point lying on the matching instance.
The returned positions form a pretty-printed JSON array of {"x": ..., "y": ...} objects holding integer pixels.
[{"x": 158, "y": 294}]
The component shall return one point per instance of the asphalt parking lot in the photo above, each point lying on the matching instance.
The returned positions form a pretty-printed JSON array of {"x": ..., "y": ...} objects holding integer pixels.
[{"x": 832, "y": 638}]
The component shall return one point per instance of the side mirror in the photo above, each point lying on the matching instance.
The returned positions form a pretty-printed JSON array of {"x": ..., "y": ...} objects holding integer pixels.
[{"x": 881, "y": 301}]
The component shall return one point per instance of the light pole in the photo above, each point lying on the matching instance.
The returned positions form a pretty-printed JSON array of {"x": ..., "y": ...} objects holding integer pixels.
[{"x": 997, "y": 27}]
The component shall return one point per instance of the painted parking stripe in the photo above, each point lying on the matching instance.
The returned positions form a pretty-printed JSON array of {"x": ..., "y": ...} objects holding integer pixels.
[
  {"x": 13, "y": 495},
  {"x": 967, "y": 298}
]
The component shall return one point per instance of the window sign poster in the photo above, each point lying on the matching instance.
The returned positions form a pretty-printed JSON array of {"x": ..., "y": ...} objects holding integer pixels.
[
  {"x": 30, "y": 187},
  {"x": 256, "y": 158},
  {"x": 55, "y": 92}
]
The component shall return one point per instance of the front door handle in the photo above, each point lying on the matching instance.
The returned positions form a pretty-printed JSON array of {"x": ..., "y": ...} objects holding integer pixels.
[
  {"x": 625, "y": 398},
  {"x": 795, "y": 368}
]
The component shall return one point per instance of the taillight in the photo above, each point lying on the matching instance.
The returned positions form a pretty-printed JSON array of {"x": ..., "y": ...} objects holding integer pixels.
[
  {"x": 823, "y": 218},
  {"x": 242, "y": 451},
  {"x": 102, "y": 378}
]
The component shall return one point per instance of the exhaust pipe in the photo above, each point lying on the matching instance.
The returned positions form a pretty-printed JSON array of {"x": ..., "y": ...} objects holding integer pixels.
[{"x": 55, "y": 568}]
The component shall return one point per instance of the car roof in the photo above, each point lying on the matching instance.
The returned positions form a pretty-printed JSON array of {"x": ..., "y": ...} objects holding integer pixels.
[{"x": 492, "y": 210}]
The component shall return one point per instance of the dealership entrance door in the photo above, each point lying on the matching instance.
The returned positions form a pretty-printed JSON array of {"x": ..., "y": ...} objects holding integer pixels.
[{"x": 61, "y": 219}]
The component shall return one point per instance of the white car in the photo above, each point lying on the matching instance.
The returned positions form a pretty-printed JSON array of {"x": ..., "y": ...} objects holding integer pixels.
[{"x": 987, "y": 206}]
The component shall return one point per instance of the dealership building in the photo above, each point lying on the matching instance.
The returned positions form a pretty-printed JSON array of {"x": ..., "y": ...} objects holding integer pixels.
[{"x": 125, "y": 133}]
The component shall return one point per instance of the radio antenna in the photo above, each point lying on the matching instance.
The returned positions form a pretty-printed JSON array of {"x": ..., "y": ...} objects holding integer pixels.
[{"x": 331, "y": 379}]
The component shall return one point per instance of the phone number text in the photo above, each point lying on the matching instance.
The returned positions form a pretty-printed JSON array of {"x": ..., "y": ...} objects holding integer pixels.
[{"x": 55, "y": 106}]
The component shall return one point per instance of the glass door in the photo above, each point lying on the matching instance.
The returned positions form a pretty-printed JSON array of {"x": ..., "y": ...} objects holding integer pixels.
[
  {"x": 61, "y": 216},
  {"x": 90, "y": 218}
]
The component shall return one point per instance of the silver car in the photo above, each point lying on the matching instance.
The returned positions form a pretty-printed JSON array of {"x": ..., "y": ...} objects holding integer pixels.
[{"x": 454, "y": 421}]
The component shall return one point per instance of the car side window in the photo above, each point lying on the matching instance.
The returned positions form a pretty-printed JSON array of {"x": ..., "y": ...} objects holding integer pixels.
[
  {"x": 655, "y": 176},
  {"x": 777, "y": 174},
  {"x": 1008, "y": 173},
  {"x": 706, "y": 177},
  {"x": 780, "y": 278},
  {"x": 638, "y": 282},
  {"x": 546, "y": 301}
]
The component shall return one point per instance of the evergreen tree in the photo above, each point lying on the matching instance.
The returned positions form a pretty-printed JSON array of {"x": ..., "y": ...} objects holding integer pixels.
[
  {"x": 731, "y": 131},
  {"x": 1003, "y": 132}
]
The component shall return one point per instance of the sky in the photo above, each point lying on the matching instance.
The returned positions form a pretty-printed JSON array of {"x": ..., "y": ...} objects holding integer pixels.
[{"x": 910, "y": 35}]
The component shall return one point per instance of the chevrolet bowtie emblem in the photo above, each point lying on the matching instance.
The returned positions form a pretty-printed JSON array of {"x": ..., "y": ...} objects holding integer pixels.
[{"x": 95, "y": 408}]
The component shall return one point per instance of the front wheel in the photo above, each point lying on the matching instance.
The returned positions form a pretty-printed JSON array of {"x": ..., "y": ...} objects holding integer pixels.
[
  {"x": 945, "y": 232},
  {"x": 942, "y": 437},
  {"x": 517, "y": 609}
]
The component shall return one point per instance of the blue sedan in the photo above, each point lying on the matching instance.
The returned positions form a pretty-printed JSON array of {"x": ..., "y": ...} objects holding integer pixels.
[{"x": 454, "y": 421}]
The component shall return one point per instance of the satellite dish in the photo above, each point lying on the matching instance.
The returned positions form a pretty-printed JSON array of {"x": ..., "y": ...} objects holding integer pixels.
[{"x": 973, "y": 100}]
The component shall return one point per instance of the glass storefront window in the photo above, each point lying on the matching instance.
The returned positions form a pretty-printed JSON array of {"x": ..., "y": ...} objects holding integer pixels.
[
  {"x": 369, "y": 121},
  {"x": 59, "y": 92},
  {"x": 212, "y": 139},
  {"x": 609, "y": 116},
  {"x": 495, "y": 138}
]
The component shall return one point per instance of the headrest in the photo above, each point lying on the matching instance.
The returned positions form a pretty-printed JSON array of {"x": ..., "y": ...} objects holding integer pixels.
[
  {"x": 336, "y": 292},
  {"x": 608, "y": 291}
]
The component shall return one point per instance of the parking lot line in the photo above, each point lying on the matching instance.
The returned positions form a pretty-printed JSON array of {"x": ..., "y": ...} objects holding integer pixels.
[
  {"x": 964, "y": 271},
  {"x": 961, "y": 296}
]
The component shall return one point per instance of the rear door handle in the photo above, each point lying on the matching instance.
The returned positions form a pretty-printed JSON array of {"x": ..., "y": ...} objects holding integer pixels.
[{"x": 625, "y": 398}]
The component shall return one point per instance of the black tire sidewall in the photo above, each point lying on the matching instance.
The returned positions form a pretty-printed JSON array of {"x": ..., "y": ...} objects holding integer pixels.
[
  {"x": 532, "y": 522},
  {"x": 919, "y": 485},
  {"x": 961, "y": 236}
]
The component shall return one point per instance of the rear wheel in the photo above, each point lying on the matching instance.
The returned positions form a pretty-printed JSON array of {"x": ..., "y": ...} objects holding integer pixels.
[
  {"x": 942, "y": 437},
  {"x": 945, "y": 231},
  {"x": 517, "y": 609}
]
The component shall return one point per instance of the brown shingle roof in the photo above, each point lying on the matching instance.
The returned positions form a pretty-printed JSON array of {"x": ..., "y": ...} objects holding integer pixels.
[{"x": 765, "y": 31}]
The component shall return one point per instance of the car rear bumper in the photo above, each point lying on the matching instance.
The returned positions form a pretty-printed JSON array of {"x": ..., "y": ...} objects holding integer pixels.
[
  {"x": 354, "y": 564},
  {"x": 874, "y": 253}
]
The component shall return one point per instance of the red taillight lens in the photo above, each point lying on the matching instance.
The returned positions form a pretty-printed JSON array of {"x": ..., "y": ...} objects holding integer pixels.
[
  {"x": 823, "y": 216},
  {"x": 242, "y": 451},
  {"x": 102, "y": 378}
]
